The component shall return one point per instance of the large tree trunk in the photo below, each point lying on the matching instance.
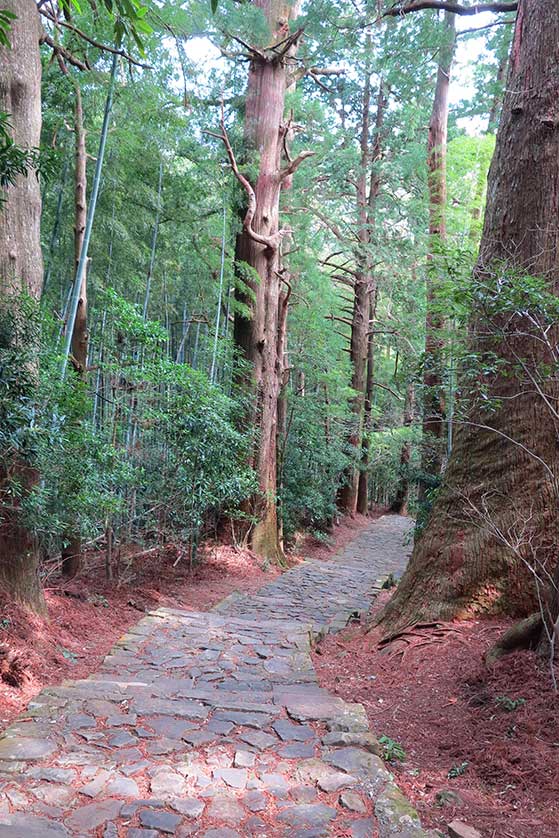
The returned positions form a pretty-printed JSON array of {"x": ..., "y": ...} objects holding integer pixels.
[
  {"x": 258, "y": 337},
  {"x": 71, "y": 553},
  {"x": 433, "y": 386},
  {"x": 501, "y": 477},
  {"x": 21, "y": 271},
  {"x": 497, "y": 101}
]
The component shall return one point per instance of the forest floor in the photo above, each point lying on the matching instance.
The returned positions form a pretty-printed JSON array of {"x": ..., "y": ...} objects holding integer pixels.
[
  {"x": 213, "y": 723},
  {"x": 88, "y": 615},
  {"x": 481, "y": 745}
]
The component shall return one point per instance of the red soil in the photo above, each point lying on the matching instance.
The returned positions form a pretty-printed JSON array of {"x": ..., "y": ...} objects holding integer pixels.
[
  {"x": 438, "y": 700},
  {"x": 87, "y": 616}
]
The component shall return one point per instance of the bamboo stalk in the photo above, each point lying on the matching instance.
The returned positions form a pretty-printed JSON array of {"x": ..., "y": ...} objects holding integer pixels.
[{"x": 82, "y": 264}]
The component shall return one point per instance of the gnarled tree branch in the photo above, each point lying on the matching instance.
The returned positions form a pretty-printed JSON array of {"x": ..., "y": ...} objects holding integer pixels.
[{"x": 271, "y": 242}]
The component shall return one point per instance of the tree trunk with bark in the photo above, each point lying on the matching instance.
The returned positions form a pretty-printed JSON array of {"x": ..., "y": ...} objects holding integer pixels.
[
  {"x": 363, "y": 484},
  {"x": 71, "y": 553},
  {"x": 21, "y": 272},
  {"x": 433, "y": 386},
  {"x": 364, "y": 292},
  {"x": 260, "y": 337},
  {"x": 374, "y": 189},
  {"x": 495, "y": 110},
  {"x": 501, "y": 479}
]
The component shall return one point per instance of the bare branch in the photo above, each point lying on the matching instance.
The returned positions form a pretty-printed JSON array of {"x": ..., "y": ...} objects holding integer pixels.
[
  {"x": 507, "y": 20},
  {"x": 271, "y": 242},
  {"x": 282, "y": 47},
  {"x": 294, "y": 164},
  {"x": 448, "y": 6},
  {"x": 333, "y": 317},
  {"x": 252, "y": 52},
  {"x": 63, "y": 54},
  {"x": 94, "y": 43},
  {"x": 388, "y": 389}
]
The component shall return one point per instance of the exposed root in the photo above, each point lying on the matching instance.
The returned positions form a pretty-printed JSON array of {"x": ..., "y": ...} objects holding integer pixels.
[
  {"x": 522, "y": 635},
  {"x": 416, "y": 637}
]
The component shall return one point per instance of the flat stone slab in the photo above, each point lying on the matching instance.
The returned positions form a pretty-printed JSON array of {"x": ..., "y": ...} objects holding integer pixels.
[
  {"x": 92, "y": 815},
  {"x": 21, "y": 748},
  {"x": 159, "y": 820},
  {"x": 290, "y": 732},
  {"x": 20, "y": 825},
  {"x": 307, "y": 814}
]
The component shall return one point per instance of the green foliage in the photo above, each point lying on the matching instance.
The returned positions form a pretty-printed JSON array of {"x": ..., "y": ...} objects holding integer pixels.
[
  {"x": 386, "y": 469},
  {"x": 14, "y": 161},
  {"x": 457, "y": 770},
  {"x": 162, "y": 452},
  {"x": 509, "y": 704},
  {"x": 192, "y": 463},
  {"x": 313, "y": 462},
  {"x": 392, "y": 751},
  {"x": 6, "y": 20},
  {"x": 19, "y": 337},
  {"x": 128, "y": 17}
]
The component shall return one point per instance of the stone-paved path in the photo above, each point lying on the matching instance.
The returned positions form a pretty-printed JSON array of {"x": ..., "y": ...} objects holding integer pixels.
[{"x": 213, "y": 724}]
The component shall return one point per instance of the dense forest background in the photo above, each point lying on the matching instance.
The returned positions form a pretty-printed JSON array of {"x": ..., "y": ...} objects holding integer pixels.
[{"x": 261, "y": 299}]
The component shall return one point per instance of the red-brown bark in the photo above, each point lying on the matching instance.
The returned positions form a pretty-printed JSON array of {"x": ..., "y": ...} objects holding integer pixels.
[
  {"x": 21, "y": 271},
  {"x": 260, "y": 337},
  {"x": 354, "y": 493},
  {"x": 374, "y": 189},
  {"x": 433, "y": 386},
  {"x": 505, "y": 460}
]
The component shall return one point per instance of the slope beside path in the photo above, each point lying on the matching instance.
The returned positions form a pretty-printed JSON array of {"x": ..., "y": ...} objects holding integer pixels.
[{"x": 213, "y": 724}]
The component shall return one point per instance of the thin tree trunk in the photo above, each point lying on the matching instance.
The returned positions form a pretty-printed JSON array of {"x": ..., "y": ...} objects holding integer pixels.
[
  {"x": 374, "y": 188},
  {"x": 359, "y": 342},
  {"x": 21, "y": 271},
  {"x": 71, "y": 553},
  {"x": 56, "y": 226},
  {"x": 363, "y": 486},
  {"x": 507, "y": 468},
  {"x": 433, "y": 386},
  {"x": 154, "y": 236},
  {"x": 401, "y": 501},
  {"x": 80, "y": 334}
]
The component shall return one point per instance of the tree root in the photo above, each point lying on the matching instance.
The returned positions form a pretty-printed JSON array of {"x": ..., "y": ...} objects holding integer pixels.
[
  {"x": 13, "y": 668},
  {"x": 417, "y": 637},
  {"x": 522, "y": 635}
]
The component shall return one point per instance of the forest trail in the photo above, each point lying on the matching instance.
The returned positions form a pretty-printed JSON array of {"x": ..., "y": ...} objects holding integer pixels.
[{"x": 213, "y": 724}]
